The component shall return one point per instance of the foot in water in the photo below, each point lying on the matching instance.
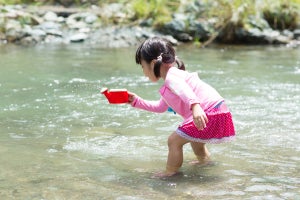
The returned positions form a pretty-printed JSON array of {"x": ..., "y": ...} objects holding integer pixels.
[
  {"x": 165, "y": 174},
  {"x": 202, "y": 161}
]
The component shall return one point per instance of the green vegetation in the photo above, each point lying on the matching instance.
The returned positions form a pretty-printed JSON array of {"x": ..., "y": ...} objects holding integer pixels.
[
  {"x": 228, "y": 14},
  {"x": 283, "y": 14},
  {"x": 17, "y": 1},
  {"x": 158, "y": 10},
  {"x": 231, "y": 15},
  {"x": 280, "y": 14}
]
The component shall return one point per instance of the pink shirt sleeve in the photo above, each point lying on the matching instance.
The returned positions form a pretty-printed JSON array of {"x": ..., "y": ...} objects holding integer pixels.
[{"x": 152, "y": 106}]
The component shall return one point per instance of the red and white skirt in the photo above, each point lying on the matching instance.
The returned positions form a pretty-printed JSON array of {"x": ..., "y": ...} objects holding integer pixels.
[{"x": 219, "y": 128}]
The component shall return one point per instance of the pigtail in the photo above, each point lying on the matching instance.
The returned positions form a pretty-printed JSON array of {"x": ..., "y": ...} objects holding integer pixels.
[
  {"x": 180, "y": 64},
  {"x": 167, "y": 58}
]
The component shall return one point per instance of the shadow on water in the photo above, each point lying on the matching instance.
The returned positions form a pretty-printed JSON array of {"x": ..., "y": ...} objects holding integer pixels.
[{"x": 143, "y": 183}]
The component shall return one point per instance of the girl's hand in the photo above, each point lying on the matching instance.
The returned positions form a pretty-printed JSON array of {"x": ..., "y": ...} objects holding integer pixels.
[
  {"x": 131, "y": 97},
  {"x": 199, "y": 116}
]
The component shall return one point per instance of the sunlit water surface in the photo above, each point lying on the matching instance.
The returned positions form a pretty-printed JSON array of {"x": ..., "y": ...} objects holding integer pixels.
[{"x": 60, "y": 139}]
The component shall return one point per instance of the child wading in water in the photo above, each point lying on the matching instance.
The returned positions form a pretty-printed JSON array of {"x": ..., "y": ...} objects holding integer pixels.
[{"x": 206, "y": 118}]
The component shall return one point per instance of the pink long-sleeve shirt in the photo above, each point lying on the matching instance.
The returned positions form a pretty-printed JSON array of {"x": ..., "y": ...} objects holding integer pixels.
[{"x": 180, "y": 91}]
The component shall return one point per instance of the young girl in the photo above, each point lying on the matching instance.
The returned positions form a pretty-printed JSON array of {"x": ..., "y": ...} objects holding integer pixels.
[{"x": 206, "y": 118}]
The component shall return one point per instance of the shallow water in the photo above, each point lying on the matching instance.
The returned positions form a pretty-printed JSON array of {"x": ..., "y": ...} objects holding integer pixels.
[{"x": 60, "y": 139}]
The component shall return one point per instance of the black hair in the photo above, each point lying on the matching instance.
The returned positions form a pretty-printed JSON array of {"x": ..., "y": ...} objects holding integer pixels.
[{"x": 159, "y": 49}]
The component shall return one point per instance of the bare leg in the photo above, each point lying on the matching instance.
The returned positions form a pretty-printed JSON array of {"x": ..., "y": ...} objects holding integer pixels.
[
  {"x": 175, "y": 156},
  {"x": 201, "y": 153}
]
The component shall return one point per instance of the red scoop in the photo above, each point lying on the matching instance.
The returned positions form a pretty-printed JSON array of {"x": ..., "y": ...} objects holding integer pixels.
[{"x": 115, "y": 96}]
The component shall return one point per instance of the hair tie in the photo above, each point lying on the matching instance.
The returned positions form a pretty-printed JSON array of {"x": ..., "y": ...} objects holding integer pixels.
[{"x": 160, "y": 57}]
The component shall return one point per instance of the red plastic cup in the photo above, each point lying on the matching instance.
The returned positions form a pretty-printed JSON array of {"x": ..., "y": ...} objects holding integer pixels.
[{"x": 115, "y": 96}]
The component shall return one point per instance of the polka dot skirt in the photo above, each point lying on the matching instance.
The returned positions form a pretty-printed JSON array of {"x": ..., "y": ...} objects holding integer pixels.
[{"x": 219, "y": 128}]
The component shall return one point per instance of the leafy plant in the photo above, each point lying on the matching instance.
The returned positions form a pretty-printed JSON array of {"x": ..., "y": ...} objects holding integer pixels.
[
  {"x": 159, "y": 10},
  {"x": 283, "y": 15}
]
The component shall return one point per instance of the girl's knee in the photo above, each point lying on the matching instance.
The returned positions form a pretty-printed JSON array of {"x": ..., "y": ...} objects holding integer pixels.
[{"x": 176, "y": 140}]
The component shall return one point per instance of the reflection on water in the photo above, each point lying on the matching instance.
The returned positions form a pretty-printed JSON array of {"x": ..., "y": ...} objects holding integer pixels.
[{"x": 60, "y": 139}]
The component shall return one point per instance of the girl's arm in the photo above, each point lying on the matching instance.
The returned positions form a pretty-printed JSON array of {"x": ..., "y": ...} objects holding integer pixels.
[
  {"x": 152, "y": 106},
  {"x": 179, "y": 86}
]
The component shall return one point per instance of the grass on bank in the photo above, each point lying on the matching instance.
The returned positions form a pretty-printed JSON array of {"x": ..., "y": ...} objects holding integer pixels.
[
  {"x": 158, "y": 10},
  {"x": 280, "y": 14},
  {"x": 228, "y": 14},
  {"x": 231, "y": 15}
]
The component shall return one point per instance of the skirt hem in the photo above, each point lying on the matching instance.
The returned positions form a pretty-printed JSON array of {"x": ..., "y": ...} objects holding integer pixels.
[{"x": 209, "y": 141}]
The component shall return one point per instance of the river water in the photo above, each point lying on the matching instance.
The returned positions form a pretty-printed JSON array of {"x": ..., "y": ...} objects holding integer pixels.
[{"x": 60, "y": 139}]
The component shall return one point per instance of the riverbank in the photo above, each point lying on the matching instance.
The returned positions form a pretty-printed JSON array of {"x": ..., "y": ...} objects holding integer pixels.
[{"x": 114, "y": 25}]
